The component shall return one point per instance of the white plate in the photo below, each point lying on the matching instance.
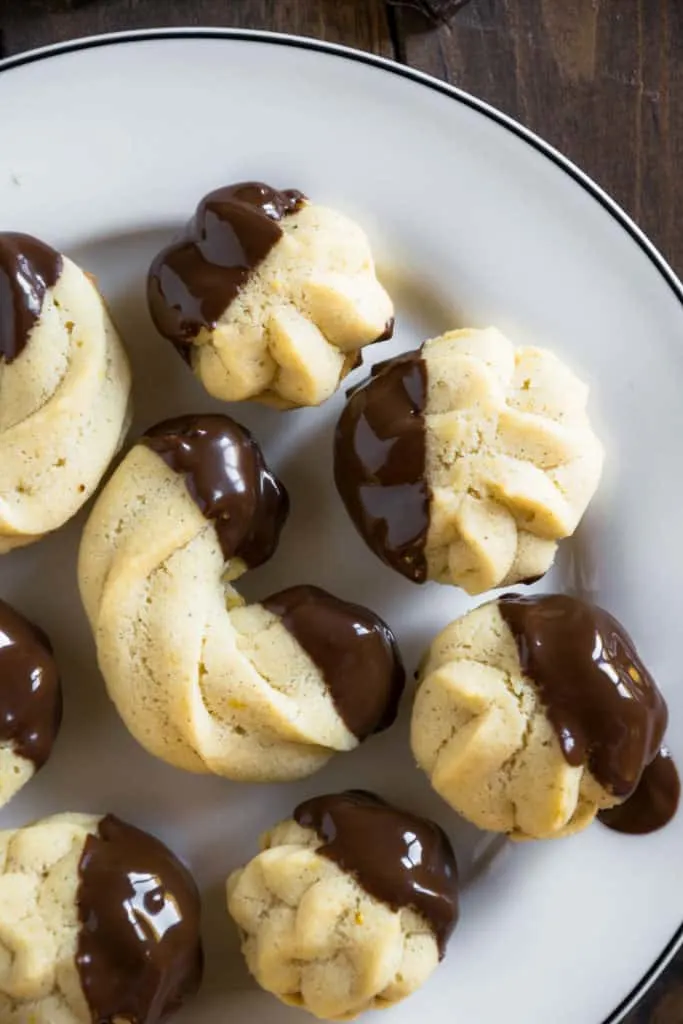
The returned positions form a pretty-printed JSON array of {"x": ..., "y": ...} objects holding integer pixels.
[{"x": 105, "y": 147}]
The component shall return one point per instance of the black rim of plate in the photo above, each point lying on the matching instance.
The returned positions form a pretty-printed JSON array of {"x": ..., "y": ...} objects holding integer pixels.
[{"x": 508, "y": 123}]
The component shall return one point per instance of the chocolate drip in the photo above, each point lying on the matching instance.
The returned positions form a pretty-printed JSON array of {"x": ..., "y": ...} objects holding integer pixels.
[
  {"x": 30, "y": 691},
  {"x": 654, "y": 802},
  {"x": 139, "y": 953},
  {"x": 380, "y": 463},
  {"x": 602, "y": 702},
  {"x": 193, "y": 281},
  {"x": 399, "y": 858},
  {"x": 28, "y": 268},
  {"x": 353, "y": 648},
  {"x": 227, "y": 476}
]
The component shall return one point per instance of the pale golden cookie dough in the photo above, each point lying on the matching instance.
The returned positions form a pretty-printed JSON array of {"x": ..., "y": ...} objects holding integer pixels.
[
  {"x": 64, "y": 409},
  {"x": 512, "y": 459}
]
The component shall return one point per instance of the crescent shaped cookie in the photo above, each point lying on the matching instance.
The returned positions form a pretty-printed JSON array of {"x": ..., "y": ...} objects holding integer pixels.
[
  {"x": 466, "y": 461},
  {"x": 260, "y": 692},
  {"x": 349, "y": 906},
  {"x": 269, "y": 296},
  {"x": 98, "y": 922},
  {"x": 64, "y": 390}
]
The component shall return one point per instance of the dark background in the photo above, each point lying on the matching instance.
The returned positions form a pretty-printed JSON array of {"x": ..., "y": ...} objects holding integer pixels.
[{"x": 602, "y": 80}]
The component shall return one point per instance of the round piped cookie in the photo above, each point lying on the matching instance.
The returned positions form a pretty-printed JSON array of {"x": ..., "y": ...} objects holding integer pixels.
[
  {"x": 98, "y": 922},
  {"x": 260, "y": 692},
  {"x": 64, "y": 389},
  {"x": 30, "y": 701},
  {"x": 467, "y": 460},
  {"x": 269, "y": 296},
  {"x": 348, "y": 907},
  {"x": 534, "y": 715}
]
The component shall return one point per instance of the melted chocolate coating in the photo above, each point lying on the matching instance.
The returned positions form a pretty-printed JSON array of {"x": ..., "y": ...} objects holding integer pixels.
[
  {"x": 380, "y": 463},
  {"x": 28, "y": 268},
  {"x": 193, "y": 281},
  {"x": 139, "y": 954},
  {"x": 602, "y": 702},
  {"x": 654, "y": 802},
  {"x": 30, "y": 691},
  {"x": 227, "y": 476},
  {"x": 353, "y": 648},
  {"x": 399, "y": 858}
]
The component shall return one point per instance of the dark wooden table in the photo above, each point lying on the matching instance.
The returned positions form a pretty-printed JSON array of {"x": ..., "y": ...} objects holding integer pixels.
[{"x": 600, "y": 79}]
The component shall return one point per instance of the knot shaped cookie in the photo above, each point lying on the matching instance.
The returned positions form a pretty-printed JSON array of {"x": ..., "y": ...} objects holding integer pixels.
[
  {"x": 30, "y": 701},
  {"x": 64, "y": 389},
  {"x": 98, "y": 922},
  {"x": 466, "y": 461},
  {"x": 254, "y": 692},
  {"x": 268, "y": 296},
  {"x": 348, "y": 908},
  {"x": 534, "y": 714}
]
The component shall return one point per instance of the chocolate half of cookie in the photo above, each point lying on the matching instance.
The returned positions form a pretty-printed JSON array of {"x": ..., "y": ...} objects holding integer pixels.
[
  {"x": 227, "y": 476},
  {"x": 401, "y": 859},
  {"x": 380, "y": 467}
]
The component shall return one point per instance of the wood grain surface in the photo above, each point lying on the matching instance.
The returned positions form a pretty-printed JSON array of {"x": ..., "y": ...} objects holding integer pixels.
[{"x": 602, "y": 80}]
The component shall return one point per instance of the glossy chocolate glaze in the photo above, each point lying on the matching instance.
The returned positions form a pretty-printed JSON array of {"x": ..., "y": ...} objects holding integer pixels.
[
  {"x": 654, "y": 802},
  {"x": 139, "y": 953},
  {"x": 30, "y": 691},
  {"x": 28, "y": 268},
  {"x": 380, "y": 463},
  {"x": 227, "y": 476},
  {"x": 353, "y": 648},
  {"x": 193, "y": 281},
  {"x": 602, "y": 702},
  {"x": 397, "y": 857}
]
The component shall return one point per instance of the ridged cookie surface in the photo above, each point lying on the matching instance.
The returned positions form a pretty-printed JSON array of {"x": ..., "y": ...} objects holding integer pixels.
[
  {"x": 98, "y": 922},
  {"x": 534, "y": 714},
  {"x": 349, "y": 906},
  {"x": 64, "y": 390},
  {"x": 259, "y": 692},
  {"x": 468, "y": 460},
  {"x": 269, "y": 296}
]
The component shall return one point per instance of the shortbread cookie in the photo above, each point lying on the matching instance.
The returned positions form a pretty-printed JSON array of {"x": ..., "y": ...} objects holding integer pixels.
[
  {"x": 268, "y": 296},
  {"x": 98, "y": 922},
  {"x": 259, "y": 692},
  {"x": 468, "y": 460},
  {"x": 348, "y": 908},
  {"x": 30, "y": 701},
  {"x": 534, "y": 714},
  {"x": 64, "y": 390}
]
